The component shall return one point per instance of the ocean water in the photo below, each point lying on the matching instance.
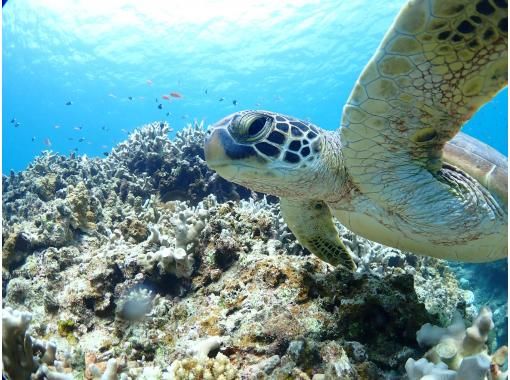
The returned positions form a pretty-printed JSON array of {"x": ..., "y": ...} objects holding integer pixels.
[{"x": 114, "y": 61}]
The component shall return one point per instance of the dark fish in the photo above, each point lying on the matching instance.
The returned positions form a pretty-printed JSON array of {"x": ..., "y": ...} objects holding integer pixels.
[
  {"x": 81, "y": 139},
  {"x": 130, "y": 97},
  {"x": 69, "y": 103},
  {"x": 221, "y": 99},
  {"x": 105, "y": 154},
  {"x": 103, "y": 128},
  {"x": 13, "y": 120},
  {"x": 157, "y": 100},
  {"x": 70, "y": 138},
  {"x": 72, "y": 155},
  {"x": 33, "y": 138},
  {"x": 234, "y": 102},
  {"x": 160, "y": 106},
  {"x": 168, "y": 114},
  {"x": 16, "y": 125},
  {"x": 205, "y": 92}
]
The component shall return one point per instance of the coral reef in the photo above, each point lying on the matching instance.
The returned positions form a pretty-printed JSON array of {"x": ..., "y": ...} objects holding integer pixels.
[
  {"x": 146, "y": 265},
  {"x": 24, "y": 357},
  {"x": 458, "y": 353},
  {"x": 487, "y": 281},
  {"x": 177, "y": 169}
]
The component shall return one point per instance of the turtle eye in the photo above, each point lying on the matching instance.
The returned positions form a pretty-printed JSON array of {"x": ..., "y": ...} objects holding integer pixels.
[
  {"x": 256, "y": 126},
  {"x": 250, "y": 127}
]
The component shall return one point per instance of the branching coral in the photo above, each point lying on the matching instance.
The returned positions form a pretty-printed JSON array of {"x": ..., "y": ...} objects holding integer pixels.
[
  {"x": 458, "y": 353},
  {"x": 178, "y": 259},
  {"x": 82, "y": 217},
  {"x": 23, "y": 355}
]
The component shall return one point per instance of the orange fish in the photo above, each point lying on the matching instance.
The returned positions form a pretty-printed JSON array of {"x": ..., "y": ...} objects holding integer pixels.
[
  {"x": 166, "y": 97},
  {"x": 175, "y": 95}
]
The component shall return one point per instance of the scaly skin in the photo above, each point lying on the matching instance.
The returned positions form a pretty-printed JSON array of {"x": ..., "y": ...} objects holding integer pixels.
[
  {"x": 322, "y": 176},
  {"x": 383, "y": 174}
]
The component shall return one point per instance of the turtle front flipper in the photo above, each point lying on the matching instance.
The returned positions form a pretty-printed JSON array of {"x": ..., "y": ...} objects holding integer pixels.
[
  {"x": 439, "y": 62},
  {"x": 312, "y": 224}
]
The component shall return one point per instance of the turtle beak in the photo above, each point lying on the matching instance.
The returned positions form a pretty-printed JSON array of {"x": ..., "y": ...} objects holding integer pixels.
[
  {"x": 214, "y": 151},
  {"x": 221, "y": 149}
]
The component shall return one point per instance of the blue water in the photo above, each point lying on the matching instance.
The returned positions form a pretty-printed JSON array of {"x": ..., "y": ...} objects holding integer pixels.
[{"x": 296, "y": 57}]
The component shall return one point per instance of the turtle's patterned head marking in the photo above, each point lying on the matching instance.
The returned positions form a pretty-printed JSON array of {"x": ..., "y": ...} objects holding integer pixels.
[{"x": 253, "y": 148}]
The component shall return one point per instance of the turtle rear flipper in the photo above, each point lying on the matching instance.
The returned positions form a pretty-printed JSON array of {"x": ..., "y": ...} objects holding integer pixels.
[{"x": 312, "y": 224}]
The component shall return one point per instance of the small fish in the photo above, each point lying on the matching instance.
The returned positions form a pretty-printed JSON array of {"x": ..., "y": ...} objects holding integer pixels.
[
  {"x": 130, "y": 97},
  {"x": 205, "y": 92},
  {"x": 234, "y": 102},
  {"x": 104, "y": 128},
  {"x": 168, "y": 114},
  {"x": 56, "y": 126},
  {"x": 16, "y": 125},
  {"x": 47, "y": 142},
  {"x": 13, "y": 120},
  {"x": 123, "y": 130},
  {"x": 33, "y": 138},
  {"x": 104, "y": 146},
  {"x": 160, "y": 106},
  {"x": 72, "y": 155},
  {"x": 69, "y": 103},
  {"x": 112, "y": 95},
  {"x": 166, "y": 97},
  {"x": 78, "y": 128},
  {"x": 70, "y": 138},
  {"x": 175, "y": 95},
  {"x": 81, "y": 139},
  {"x": 149, "y": 82},
  {"x": 157, "y": 100},
  {"x": 221, "y": 99},
  {"x": 106, "y": 154}
]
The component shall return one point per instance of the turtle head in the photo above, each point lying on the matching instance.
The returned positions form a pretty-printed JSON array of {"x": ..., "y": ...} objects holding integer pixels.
[{"x": 266, "y": 152}]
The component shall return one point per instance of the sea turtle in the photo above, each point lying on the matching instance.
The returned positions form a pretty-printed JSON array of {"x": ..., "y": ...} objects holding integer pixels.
[{"x": 398, "y": 171}]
